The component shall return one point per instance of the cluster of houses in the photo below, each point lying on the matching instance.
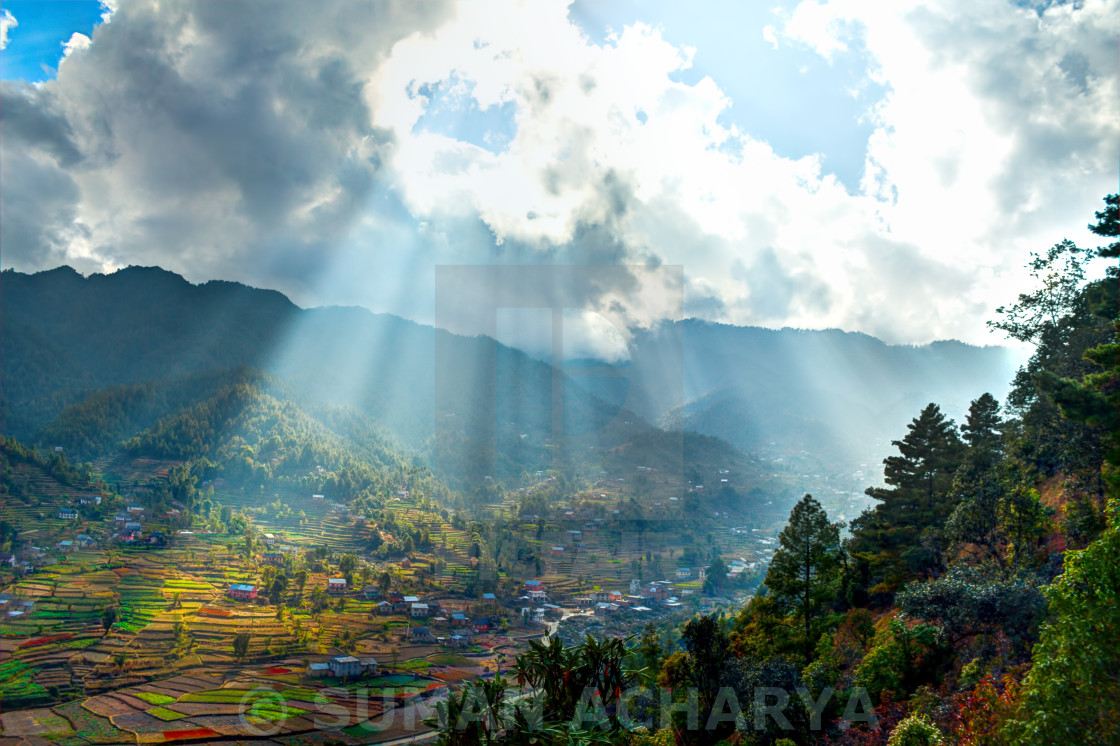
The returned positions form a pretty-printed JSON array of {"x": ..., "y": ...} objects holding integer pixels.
[
  {"x": 28, "y": 559},
  {"x": 643, "y": 598},
  {"x": 462, "y": 630},
  {"x": 127, "y": 524},
  {"x": 462, "y": 627},
  {"x": 14, "y": 608},
  {"x": 81, "y": 541}
]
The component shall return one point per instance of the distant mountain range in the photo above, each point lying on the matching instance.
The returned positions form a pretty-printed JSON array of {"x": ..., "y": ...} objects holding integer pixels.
[
  {"x": 479, "y": 406},
  {"x": 842, "y": 396}
]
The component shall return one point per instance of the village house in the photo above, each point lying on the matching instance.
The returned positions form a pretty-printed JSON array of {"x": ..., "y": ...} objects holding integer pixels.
[
  {"x": 272, "y": 558},
  {"x": 337, "y": 586},
  {"x": 67, "y": 514},
  {"x": 384, "y": 608},
  {"x": 89, "y": 500},
  {"x": 481, "y": 625},
  {"x": 419, "y": 611},
  {"x": 318, "y": 670},
  {"x": 422, "y": 634},
  {"x": 534, "y": 585},
  {"x": 135, "y": 508},
  {"x": 459, "y": 640},
  {"x": 459, "y": 620},
  {"x": 269, "y": 539},
  {"x": 371, "y": 592},
  {"x": 345, "y": 665},
  {"x": 66, "y": 546},
  {"x": 85, "y": 540},
  {"x": 242, "y": 591},
  {"x": 684, "y": 573},
  {"x": 537, "y": 597}
]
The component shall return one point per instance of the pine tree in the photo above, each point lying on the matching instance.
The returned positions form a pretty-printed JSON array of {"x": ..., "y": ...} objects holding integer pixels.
[
  {"x": 977, "y": 486},
  {"x": 804, "y": 575},
  {"x": 902, "y": 536},
  {"x": 983, "y": 432}
]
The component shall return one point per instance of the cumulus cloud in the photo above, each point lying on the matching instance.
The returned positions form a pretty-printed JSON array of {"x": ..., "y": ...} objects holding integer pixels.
[
  {"x": 1000, "y": 121},
  {"x": 7, "y": 23},
  {"x": 75, "y": 43},
  {"x": 922, "y": 250},
  {"x": 341, "y": 152}
]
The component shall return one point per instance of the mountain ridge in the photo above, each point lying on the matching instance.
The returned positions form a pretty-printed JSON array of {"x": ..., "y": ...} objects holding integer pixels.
[{"x": 847, "y": 393}]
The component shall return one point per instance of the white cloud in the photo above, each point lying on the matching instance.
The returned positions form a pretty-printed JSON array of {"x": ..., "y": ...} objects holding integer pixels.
[
  {"x": 75, "y": 43},
  {"x": 190, "y": 135},
  {"x": 7, "y": 23},
  {"x": 926, "y": 237},
  {"x": 770, "y": 36},
  {"x": 108, "y": 8}
]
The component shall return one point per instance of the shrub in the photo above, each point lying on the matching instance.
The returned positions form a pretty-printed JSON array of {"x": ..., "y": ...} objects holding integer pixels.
[{"x": 916, "y": 730}]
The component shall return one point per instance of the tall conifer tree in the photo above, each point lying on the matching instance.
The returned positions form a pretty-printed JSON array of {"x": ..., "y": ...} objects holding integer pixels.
[
  {"x": 804, "y": 575},
  {"x": 901, "y": 537}
]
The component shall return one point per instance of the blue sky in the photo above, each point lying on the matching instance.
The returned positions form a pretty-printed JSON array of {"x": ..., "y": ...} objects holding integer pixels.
[
  {"x": 36, "y": 45},
  {"x": 876, "y": 167}
]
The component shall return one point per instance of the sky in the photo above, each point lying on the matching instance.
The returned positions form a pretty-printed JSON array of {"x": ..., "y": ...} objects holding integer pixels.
[{"x": 877, "y": 167}]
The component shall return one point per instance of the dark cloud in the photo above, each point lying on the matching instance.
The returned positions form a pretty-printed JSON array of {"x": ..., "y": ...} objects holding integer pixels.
[
  {"x": 224, "y": 139},
  {"x": 31, "y": 119},
  {"x": 37, "y": 209}
]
